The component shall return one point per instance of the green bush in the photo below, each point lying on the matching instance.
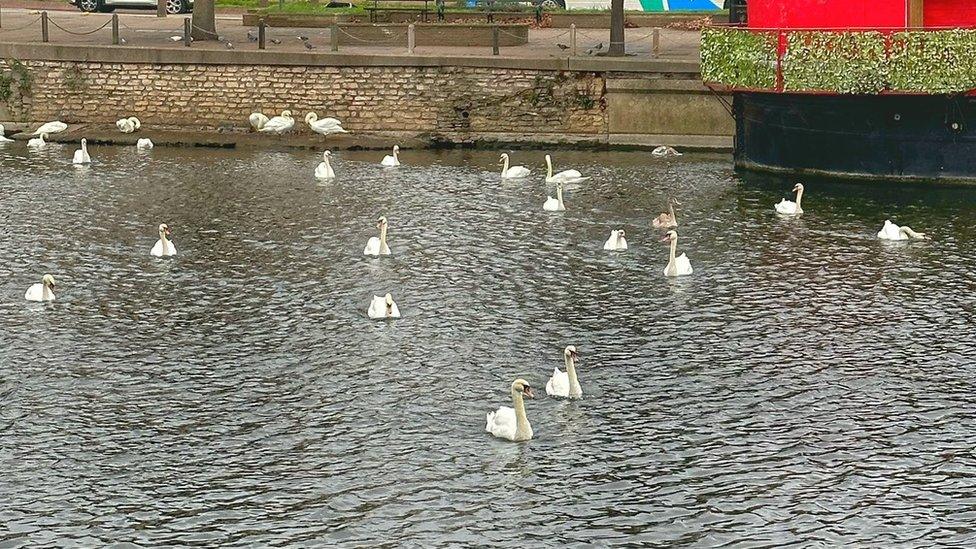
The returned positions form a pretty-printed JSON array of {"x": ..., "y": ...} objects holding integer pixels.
[{"x": 737, "y": 58}]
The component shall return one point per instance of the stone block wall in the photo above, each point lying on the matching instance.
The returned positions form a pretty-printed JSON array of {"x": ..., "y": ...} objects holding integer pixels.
[{"x": 418, "y": 100}]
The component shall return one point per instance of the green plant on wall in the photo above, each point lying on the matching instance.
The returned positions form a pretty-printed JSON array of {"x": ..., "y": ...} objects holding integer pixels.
[
  {"x": 15, "y": 86},
  {"x": 934, "y": 62},
  {"x": 845, "y": 62},
  {"x": 746, "y": 58},
  {"x": 74, "y": 79}
]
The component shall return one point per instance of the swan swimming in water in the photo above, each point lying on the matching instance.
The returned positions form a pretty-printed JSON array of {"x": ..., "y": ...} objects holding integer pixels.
[
  {"x": 392, "y": 160},
  {"x": 515, "y": 172},
  {"x": 664, "y": 150},
  {"x": 43, "y": 291},
  {"x": 257, "y": 121},
  {"x": 51, "y": 127},
  {"x": 278, "y": 124},
  {"x": 324, "y": 126},
  {"x": 324, "y": 169},
  {"x": 377, "y": 245},
  {"x": 555, "y": 204},
  {"x": 511, "y": 423},
  {"x": 786, "y": 207},
  {"x": 668, "y": 219},
  {"x": 4, "y": 138},
  {"x": 677, "y": 266},
  {"x": 81, "y": 155},
  {"x": 616, "y": 241},
  {"x": 566, "y": 384},
  {"x": 38, "y": 142},
  {"x": 382, "y": 308},
  {"x": 563, "y": 176},
  {"x": 163, "y": 247},
  {"x": 128, "y": 125},
  {"x": 144, "y": 143},
  {"x": 890, "y": 231}
]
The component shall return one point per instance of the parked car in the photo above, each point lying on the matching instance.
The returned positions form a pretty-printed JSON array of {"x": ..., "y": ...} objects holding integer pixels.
[{"x": 172, "y": 6}]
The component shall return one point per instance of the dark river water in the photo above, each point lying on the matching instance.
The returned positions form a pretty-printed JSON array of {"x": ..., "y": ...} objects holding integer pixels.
[{"x": 808, "y": 385}]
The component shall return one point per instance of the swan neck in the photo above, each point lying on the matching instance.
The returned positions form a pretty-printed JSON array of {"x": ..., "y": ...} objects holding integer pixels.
[
  {"x": 505, "y": 165},
  {"x": 165, "y": 242},
  {"x": 521, "y": 421},
  {"x": 559, "y": 195},
  {"x": 799, "y": 197},
  {"x": 548, "y": 167},
  {"x": 382, "y": 237},
  {"x": 674, "y": 218},
  {"x": 573, "y": 379},
  {"x": 674, "y": 249}
]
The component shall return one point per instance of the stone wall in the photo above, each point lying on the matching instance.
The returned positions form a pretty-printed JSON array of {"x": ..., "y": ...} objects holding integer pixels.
[{"x": 431, "y": 100}]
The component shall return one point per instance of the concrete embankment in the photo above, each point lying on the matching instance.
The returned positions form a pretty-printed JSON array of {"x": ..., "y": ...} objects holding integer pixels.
[{"x": 205, "y": 96}]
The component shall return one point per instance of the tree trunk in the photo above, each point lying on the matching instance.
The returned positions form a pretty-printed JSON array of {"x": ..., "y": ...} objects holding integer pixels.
[
  {"x": 204, "y": 22},
  {"x": 616, "y": 28}
]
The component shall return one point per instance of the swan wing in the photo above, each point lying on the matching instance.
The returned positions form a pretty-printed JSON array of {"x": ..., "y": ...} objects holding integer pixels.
[
  {"x": 516, "y": 172},
  {"x": 551, "y": 205},
  {"x": 388, "y": 160},
  {"x": 372, "y": 246},
  {"x": 395, "y": 313},
  {"x": 36, "y": 293},
  {"x": 257, "y": 120},
  {"x": 376, "y": 307},
  {"x": 324, "y": 171},
  {"x": 159, "y": 250},
  {"x": 684, "y": 265},
  {"x": 501, "y": 423},
  {"x": 558, "y": 384},
  {"x": 890, "y": 231},
  {"x": 786, "y": 207},
  {"x": 79, "y": 157}
]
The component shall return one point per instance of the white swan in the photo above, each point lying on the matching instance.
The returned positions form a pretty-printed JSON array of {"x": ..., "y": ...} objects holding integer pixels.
[
  {"x": 144, "y": 143},
  {"x": 51, "y": 127},
  {"x": 128, "y": 125},
  {"x": 257, "y": 120},
  {"x": 565, "y": 384},
  {"x": 664, "y": 150},
  {"x": 382, "y": 308},
  {"x": 81, "y": 155},
  {"x": 324, "y": 169},
  {"x": 786, "y": 207},
  {"x": 555, "y": 204},
  {"x": 677, "y": 266},
  {"x": 163, "y": 247},
  {"x": 37, "y": 142},
  {"x": 324, "y": 126},
  {"x": 667, "y": 219},
  {"x": 617, "y": 241},
  {"x": 890, "y": 231},
  {"x": 392, "y": 160},
  {"x": 4, "y": 138},
  {"x": 515, "y": 172},
  {"x": 377, "y": 246},
  {"x": 564, "y": 176},
  {"x": 511, "y": 423},
  {"x": 41, "y": 292},
  {"x": 279, "y": 124}
]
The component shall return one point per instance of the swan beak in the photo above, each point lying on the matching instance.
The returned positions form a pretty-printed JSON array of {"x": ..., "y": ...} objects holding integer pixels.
[
  {"x": 665, "y": 238},
  {"x": 528, "y": 392},
  {"x": 168, "y": 232},
  {"x": 574, "y": 355}
]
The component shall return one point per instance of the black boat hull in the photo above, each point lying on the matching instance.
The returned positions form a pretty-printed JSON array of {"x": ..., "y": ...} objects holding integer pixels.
[{"x": 887, "y": 137}]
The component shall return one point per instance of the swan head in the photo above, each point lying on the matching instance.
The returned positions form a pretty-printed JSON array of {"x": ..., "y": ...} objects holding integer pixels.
[
  {"x": 675, "y": 201},
  {"x": 164, "y": 229},
  {"x": 84, "y": 142},
  {"x": 621, "y": 233},
  {"x": 396, "y": 148},
  {"x": 311, "y": 117},
  {"x": 389, "y": 301},
  {"x": 326, "y": 155},
  {"x": 798, "y": 187},
  {"x": 570, "y": 352},
  {"x": 48, "y": 281},
  {"x": 671, "y": 236},
  {"x": 381, "y": 222},
  {"x": 521, "y": 386},
  {"x": 503, "y": 158},
  {"x": 286, "y": 114}
]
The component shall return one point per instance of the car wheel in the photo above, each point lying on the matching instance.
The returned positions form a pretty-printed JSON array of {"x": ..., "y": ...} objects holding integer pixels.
[
  {"x": 175, "y": 6},
  {"x": 554, "y": 4},
  {"x": 89, "y": 6}
]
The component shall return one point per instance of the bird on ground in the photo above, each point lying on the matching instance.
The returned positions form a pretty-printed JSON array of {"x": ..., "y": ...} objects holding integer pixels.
[
  {"x": 324, "y": 126},
  {"x": 279, "y": 124},
  {"x": 303, "y": 38},
  {"x": 251, "y": 37},
  {"x": 275, "y": 41},
  {"x": 309, "y": 46},
  {"x": 51, "y": 127},
  {"x": 563, "y": 47},
  {"x": 229, "y": 45},
  {"x": 257, "y": 120},
  {"x": 128, "y": 125}
]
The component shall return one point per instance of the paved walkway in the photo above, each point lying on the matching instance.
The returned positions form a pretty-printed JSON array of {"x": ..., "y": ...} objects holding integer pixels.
[{"x": 145, "y": 30}]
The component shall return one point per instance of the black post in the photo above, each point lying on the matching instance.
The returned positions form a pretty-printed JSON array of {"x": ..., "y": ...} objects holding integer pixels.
[
  {"x": 187, "y": 39},
  {"x": 115, "y": 29},
  {"x": 261, "y": 34},
  {"x": 616, "y": 28},
  {"x": 494, "y": 40},
  {"x": 43, "y": 26},
  {"x": 538, "y": 13}
]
